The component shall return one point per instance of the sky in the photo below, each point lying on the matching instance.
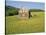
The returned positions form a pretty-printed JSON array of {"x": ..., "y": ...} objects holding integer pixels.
[
  {"x": 29, "y": 0},
  {"x": 29, "y": 5}
]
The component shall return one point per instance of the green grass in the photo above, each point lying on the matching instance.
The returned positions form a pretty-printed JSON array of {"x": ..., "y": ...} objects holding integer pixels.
[{"x": 34, "y": 24}]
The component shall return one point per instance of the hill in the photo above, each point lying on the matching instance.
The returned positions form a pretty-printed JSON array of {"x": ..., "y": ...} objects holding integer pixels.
[{"x": 11, "y": 10}]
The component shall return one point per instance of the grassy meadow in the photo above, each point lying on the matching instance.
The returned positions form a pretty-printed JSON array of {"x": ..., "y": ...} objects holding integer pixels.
[{"x": 32, "y": 25}]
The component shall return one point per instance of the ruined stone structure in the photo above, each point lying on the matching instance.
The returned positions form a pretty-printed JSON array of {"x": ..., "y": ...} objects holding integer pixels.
[{"x": 23, "y": 13}]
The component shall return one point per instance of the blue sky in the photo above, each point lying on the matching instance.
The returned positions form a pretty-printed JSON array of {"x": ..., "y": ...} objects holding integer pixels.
[{"x": 29, "y": 5}]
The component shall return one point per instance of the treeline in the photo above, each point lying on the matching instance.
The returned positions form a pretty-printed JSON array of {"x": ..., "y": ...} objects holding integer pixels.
[
  {"x": 36, "y": 10},
  {"x": 10, "y": 11}
]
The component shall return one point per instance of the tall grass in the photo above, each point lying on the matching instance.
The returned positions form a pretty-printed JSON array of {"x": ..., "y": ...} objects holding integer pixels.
[{"x": 34, "y": 24}]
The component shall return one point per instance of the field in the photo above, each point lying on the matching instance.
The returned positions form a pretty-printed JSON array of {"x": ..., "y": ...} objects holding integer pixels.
[{"x": 32, "y": 25}]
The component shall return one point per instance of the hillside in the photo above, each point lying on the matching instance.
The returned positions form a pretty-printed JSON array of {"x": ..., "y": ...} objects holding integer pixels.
[{"x": 10, "y": 11}]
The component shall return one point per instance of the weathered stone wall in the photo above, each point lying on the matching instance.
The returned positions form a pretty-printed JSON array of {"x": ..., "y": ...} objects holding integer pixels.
[{"x": 23, "y": 13}]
